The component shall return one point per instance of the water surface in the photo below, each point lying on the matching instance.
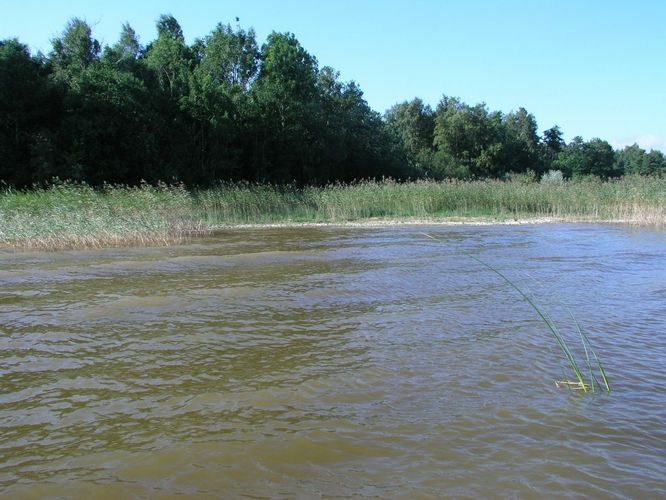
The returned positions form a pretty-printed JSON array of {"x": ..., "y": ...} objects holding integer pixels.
[{"x": 334, "y": 362}]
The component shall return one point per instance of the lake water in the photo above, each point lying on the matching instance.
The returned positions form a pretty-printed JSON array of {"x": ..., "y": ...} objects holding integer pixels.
[{"x": 327, "y": 361}]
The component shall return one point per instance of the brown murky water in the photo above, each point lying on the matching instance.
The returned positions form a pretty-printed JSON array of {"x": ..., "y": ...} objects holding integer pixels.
[{"x": 333, "y": 362}]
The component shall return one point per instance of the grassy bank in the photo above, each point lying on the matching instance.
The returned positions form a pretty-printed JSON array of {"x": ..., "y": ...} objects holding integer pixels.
[
  {"x": 76, "y": 216},
  {"x": 67, "y": 216}
]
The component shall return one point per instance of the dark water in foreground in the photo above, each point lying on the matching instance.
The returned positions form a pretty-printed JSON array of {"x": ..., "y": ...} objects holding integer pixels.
[{"x": 334, "y": 362}]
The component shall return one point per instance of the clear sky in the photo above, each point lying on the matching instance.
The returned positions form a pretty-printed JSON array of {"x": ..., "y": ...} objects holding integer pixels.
[{"x": 596, "y": 68}]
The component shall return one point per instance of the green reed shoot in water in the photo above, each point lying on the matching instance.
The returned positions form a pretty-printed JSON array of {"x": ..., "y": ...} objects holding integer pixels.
[
  {"x": 587, "y": 346},
  {"x": 568, "y": 354}
]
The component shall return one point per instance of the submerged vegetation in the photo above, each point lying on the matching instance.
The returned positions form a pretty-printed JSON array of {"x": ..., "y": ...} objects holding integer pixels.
[{"x": 75, "y": 215}]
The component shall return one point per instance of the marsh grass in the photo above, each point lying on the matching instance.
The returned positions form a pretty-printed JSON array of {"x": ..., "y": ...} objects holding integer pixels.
[
  {"x": 72, "y": 215},
  {"x": 637, "y": 200}
]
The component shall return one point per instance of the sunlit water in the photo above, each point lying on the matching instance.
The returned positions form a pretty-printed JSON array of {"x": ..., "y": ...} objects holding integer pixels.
[{"x": 334, "y": 362}]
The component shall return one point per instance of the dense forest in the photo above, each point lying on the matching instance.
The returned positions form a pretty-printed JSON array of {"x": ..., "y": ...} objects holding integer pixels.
[{"x": 225, "y": 108}]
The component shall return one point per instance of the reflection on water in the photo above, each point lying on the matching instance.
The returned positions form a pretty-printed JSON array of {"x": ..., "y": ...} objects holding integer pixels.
[{"x": 328, "y": 361}]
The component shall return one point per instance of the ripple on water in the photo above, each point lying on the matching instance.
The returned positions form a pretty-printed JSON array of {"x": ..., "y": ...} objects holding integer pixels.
[{"x": 334, "y": 362}]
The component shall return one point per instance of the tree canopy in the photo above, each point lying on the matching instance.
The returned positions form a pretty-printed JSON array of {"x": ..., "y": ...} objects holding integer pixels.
[{"x": 229, "y": 108}]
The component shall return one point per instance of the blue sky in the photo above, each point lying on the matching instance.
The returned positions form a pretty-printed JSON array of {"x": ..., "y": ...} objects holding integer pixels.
[{"x": 595, "y": 68}]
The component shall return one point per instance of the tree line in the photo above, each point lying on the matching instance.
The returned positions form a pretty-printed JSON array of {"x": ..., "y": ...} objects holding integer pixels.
[{"x": 225, "y": 108}]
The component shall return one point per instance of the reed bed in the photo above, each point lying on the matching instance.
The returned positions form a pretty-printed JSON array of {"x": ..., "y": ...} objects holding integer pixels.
[
  {"x": 636, "y": 200},
  {"x": 72, "y": 215}
]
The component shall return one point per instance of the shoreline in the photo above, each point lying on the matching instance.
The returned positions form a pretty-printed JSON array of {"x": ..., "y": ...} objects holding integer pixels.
[
  {"x": 408, "y": 221},
  {"x": 68, "y": 242},
  {"x": 73, "y": 216}
]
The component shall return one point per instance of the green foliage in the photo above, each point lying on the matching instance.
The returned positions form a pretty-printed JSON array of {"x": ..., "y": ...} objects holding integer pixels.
[
  {"x": 224, "y": 109},
  {"x": 522, "y": 142},
  {"x": 284, "y": 102},
  {"x": 107, "y": 104},
  {"x": 170, "y": 58},
  {"x": 26, "y": 113},
  {"x": 579, "y": 158},
  {"x": 126, "y": 52},
  {"x": 635, "y": 160},
  {"x": 552, "y": 139},
  {"x": 551, "y": 145},
  {"x": 468, "y": 140},
  {"x": 74, "y": 51},
  {"x": 229, "y": 59},
  {"x": 218, "y": 101},
  {"x": 355, "y": 143},
  {"x": 413, "y": 125}
]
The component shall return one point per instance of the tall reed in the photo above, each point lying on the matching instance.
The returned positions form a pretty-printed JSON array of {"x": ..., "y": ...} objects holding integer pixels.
[
  {"x": 72, "y": 215},
  {"x": 557, "y": 335},
  {"x": 559, "y": 338},
  {"x": 636, "y": 200}
]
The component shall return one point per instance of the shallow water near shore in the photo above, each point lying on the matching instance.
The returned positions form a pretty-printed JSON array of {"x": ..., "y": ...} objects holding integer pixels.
[{"x": 324, "y": 361}]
